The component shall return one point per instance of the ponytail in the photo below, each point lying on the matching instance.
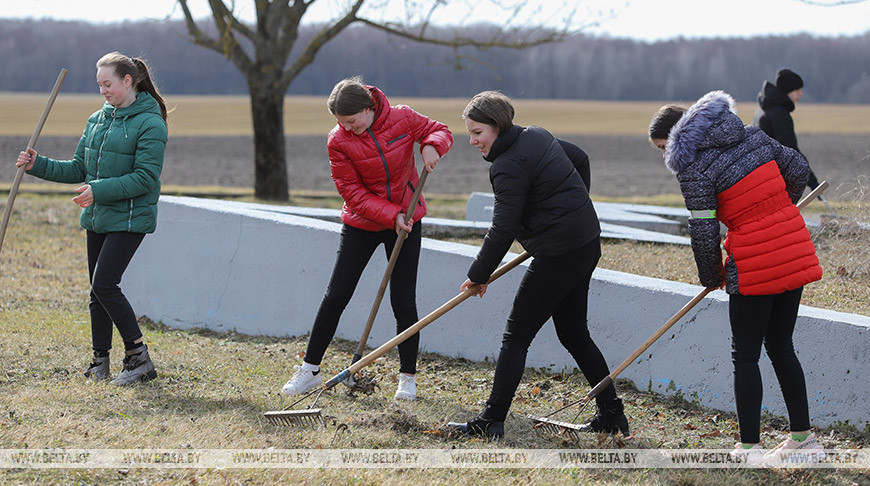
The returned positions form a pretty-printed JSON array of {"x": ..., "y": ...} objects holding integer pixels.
[{"x": 147, "y": 84}]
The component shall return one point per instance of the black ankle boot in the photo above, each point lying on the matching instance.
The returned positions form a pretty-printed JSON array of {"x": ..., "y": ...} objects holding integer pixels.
[
  {"x": 479, "y": 427},
  {"x": 609, "y": 419}
]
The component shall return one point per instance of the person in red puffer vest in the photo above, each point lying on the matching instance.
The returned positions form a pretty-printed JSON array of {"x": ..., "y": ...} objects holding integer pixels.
[
  {"x": 737, "y": 175},
  {"x": 371, "y": 157}
]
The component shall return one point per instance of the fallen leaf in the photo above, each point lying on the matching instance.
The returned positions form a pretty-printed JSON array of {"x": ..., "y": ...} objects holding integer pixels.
[
  {"x": 715, "y": 433},
  {"x": 536, "y": 390},
  {"x": 690, "y": 427}
]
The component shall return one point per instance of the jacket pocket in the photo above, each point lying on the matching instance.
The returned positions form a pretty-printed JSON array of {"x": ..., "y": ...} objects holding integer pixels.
[
  {"x": 90, "y": 161},
  {"x": 397, "y": 138}
]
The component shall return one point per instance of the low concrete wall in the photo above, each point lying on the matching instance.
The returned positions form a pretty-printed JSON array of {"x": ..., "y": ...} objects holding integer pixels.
[{"x": 218, "y": 265}]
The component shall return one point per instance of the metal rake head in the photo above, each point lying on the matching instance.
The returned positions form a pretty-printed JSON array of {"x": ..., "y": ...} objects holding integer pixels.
[
  {"x": 296, "y": 418},
  {"x": 557, "y": 428},
  {"x": 561, "y": 429}
]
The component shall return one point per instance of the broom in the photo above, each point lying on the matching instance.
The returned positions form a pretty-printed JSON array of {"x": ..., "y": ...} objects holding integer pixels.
[
  {"x": 571, "y": 429},
  {"x": 314, "y": 416},
  {"x": 32, "y": 143}
]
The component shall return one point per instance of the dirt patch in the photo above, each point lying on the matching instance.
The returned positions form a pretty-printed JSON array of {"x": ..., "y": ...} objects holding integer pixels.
[
  {"x": 395, "y": 418},
  {"x": 622, "y": 165}
]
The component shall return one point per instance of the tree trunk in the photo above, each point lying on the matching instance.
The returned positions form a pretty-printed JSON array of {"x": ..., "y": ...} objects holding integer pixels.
[{"x": 270, "y": 163}]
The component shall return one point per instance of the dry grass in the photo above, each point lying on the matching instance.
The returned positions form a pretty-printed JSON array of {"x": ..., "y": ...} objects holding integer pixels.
[
  {"x": 214, "y": 388},
  {"x": 307, "y": 115}
]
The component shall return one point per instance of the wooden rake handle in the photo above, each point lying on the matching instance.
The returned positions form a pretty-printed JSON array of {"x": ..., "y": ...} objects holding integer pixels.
[
  {"x": 407, "y": 333},
  {"x": 32, "y": 143},
  {"x": 397, "y": 247},
  {"x": 595, "y": 391}
]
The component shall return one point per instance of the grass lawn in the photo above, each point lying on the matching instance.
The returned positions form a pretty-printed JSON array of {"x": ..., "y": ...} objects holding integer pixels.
[{"x": 213, "y": 388}]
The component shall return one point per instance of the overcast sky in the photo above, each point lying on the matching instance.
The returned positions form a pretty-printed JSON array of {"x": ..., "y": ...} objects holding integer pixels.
[{"x": 641, "y": 19}]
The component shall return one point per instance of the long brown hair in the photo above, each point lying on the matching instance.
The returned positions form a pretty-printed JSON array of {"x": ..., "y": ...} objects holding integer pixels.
[
  {"x": 138, "y": 70},
  {"x": 349, "y": 97}
]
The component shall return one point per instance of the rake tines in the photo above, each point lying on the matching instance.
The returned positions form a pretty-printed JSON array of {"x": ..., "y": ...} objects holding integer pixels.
[
  {"x": 309, "y": 417},
  {"x": 562, "y": 429},
  {"x": 557, "y": 428},
  {"x": 296, "y": 418}
]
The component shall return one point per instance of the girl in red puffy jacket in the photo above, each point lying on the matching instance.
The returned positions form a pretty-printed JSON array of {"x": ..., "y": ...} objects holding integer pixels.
[
  {"x": 371, "y": 157},
  {"x": 736, "y": 174}
]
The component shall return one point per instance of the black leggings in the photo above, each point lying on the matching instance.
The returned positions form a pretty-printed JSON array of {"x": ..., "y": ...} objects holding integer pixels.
[
  {"x": 355, "y": 249},
  {"x": 108, "y": 257},
  {"x": 769, "y": 319},
  {"x": 556, "y": 287}
]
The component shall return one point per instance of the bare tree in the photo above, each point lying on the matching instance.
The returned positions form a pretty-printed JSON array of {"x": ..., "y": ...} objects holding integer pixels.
[{"x": 262, "y": 53}]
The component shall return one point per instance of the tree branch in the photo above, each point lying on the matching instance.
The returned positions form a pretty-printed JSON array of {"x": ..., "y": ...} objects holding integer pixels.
[
  {"x": 461, "y": 41},
  {"x": 226, "y": 44},
  {"x": 198, "y": 36},
  {"x": 306, "y": 57}
]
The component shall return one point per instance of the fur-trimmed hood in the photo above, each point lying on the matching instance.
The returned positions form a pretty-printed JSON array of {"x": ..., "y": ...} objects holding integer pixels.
[{"x": 711, "y": 122}]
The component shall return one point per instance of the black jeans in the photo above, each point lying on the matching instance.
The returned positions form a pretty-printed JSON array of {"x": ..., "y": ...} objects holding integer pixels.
[
  {"x": 108, "y": 257},
  {"x": 769, "y": 319},
  {"x": 556, "y": 287},
  {"x": 355, "y": 249}
]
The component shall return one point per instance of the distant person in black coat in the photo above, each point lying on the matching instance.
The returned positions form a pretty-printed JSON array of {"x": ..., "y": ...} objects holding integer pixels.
[
  {"x": 542, "y": 200},
  {"x": 776, "y": 101}
]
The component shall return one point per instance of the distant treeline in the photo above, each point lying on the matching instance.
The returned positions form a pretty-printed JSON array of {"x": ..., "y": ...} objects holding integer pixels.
[{"x": 835, "y": 70}]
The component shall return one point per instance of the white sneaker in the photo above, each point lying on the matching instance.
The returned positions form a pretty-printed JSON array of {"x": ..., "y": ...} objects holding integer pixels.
[
  {"x": 301, "y": 381},
  {"x": 791, "y": 451},
  {"x": 407, "y": 389},
  {"x": 753, "y": 455}
]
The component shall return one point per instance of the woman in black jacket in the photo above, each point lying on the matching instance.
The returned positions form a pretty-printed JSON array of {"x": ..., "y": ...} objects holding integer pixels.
[{"x": 542, "y": 201}]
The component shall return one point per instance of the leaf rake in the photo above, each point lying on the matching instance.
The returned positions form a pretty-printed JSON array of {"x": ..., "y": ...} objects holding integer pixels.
[
  {"x": 314, "y": 416},
  {"x": 572, "y": 429}
]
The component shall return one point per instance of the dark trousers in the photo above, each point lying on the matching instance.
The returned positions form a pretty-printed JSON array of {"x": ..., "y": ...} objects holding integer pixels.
[
  {"x": 556, "y": 287},
  {"x": 768, "y": 319},
  {"x": 108, "y": 257},
  {"x": 355, "y": 249}
]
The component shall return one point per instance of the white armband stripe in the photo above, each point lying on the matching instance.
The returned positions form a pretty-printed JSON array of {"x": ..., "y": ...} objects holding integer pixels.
[{"x": 703, "y": 213}]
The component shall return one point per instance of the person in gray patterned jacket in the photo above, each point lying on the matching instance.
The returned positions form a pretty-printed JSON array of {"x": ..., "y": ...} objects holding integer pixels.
[{"x": 739, "y": 176}]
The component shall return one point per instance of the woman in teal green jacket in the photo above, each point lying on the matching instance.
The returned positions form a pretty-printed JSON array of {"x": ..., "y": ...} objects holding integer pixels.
[{"x": 119, "y": 159}]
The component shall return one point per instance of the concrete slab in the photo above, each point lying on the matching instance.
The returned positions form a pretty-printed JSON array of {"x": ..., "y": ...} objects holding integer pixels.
[
  {"x": 225, "y": 266},
  {"x": 441, "y": 227},
  {"x": 660, "y": 219}
]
